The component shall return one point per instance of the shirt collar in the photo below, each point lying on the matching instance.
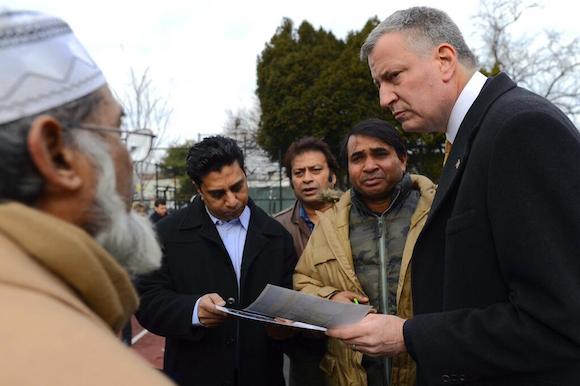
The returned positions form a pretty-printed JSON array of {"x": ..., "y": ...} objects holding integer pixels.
[
  {"x": 244, "y": 218},
  {"x": 463, "y": 104},
  {"x": 304, "y": 216}
]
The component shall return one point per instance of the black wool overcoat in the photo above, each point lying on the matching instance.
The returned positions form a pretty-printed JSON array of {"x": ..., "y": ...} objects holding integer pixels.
[
  {"x": 195, "y": 263},
  {"x": 496, "y": 269}
]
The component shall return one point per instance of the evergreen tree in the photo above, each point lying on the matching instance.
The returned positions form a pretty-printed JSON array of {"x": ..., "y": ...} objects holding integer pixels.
[
  {"x": 173, "y": 165},
  {"x": 310, "y": 83}
]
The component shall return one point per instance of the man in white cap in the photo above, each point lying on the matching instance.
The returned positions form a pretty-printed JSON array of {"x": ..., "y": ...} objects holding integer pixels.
[{"x": 67, "y": 237}]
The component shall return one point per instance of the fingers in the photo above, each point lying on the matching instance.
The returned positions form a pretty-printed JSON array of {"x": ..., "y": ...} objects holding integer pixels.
[
  {"x": 208, "y": 315},
  {"x": 349, "y": 297},
  {"x": 345, "y": 333},
  {"x": 375, "y": 335}
]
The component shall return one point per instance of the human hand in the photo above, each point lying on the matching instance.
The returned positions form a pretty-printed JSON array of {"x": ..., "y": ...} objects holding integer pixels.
[
  {"x": 375, "y": 335},
  {"x": 208, "y": 315},
  {"x": 348, "y": 297}
]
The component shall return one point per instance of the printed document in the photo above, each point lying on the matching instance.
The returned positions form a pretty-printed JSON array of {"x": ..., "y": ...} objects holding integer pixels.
[{"x": 299, "y": 310}]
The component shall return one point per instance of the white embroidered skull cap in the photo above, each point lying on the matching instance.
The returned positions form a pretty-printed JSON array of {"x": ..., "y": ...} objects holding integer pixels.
[{"x": 42, "y": 65}]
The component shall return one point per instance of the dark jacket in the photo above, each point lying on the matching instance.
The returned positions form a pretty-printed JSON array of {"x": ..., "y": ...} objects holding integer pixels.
[
  {"x": 295, "y": 225},
  {"x": 195, "y": 263},
  {"x": 496, "y": 270}
]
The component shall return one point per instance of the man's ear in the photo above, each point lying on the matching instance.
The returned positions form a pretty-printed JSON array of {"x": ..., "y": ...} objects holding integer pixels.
[
  {"x": 54, "y": 160},
  {"x": 332, "y": 179},
  {"x": 197, "y": 189},
  {"x": 446, "y": 56},
  {"x": 403, "y": 159}
]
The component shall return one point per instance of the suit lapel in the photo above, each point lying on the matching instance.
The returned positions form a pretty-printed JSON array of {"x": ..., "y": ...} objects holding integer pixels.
[
  {"x": 255, "y": 241},
  {"x": 457, "y": 160},
  {"x": 197, "y": 217}
]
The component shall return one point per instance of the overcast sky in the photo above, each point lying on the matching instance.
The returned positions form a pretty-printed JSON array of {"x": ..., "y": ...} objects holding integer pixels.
[{"x": 202, "y": 55}]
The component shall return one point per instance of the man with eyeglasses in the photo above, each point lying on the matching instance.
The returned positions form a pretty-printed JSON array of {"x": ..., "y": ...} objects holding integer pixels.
[{"x": 67, "y": 235}]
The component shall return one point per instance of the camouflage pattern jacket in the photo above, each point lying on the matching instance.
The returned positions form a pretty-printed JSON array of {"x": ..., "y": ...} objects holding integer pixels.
[{"x": 326, "y": 266}]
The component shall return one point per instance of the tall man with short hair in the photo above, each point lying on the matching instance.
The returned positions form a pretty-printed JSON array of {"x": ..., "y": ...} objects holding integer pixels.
[
  {"x": 385, "y": 210},
  {"x": 311, "y": 168},
  {"x": 221, "y": 250},
  {"x": 67, "y": 235},
  {"x": 495, "y": 270}
]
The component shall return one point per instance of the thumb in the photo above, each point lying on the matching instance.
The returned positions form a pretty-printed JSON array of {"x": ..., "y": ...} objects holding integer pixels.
[{"x": 217, "y": 300}]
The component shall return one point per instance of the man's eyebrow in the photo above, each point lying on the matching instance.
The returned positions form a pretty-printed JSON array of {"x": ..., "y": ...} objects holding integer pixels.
[
  {"x": 216, "y": 191},
  {"x": 238, "y": 183},
  {"x": 359, "y": 152}
]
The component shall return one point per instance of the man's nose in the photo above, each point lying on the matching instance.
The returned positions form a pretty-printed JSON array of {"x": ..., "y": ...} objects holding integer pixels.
[
  {"x": 307, "y": 177},
  {"x": 369, "y": 165},
  {"x": 231, "y": 200},
  {"x": 387, "y": 97}
]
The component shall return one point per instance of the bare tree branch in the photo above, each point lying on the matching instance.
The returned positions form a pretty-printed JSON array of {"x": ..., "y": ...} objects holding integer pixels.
[
  {"x": 543, "y": 62},
  {"x": 144, "y": 108}
]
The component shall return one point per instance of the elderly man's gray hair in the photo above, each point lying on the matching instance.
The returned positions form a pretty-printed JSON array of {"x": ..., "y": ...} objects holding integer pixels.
[{"x": 425, "y": 28}]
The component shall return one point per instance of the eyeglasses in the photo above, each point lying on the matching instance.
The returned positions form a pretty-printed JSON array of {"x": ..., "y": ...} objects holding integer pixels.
[{"x": 139, "y": 142}]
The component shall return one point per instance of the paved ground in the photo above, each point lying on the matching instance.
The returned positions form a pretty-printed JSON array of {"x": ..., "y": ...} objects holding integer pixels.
[
  {"x": 151, "y": 346},
  {"x": 147, "y": 344}
]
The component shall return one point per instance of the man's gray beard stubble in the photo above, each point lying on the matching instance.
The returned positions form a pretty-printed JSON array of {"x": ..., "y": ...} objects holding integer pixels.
[{"x": 127, "y": 236}]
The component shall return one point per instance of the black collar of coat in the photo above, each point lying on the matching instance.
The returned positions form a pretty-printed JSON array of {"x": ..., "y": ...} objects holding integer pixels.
[
  {"x": 453, "y": 169},
  {"x": 259, "y": 235}
]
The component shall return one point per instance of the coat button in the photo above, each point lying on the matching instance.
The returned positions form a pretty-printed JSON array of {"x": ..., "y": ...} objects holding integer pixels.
[
  {"x": 231, "y": 301},
  {"x": 445, "y": 378}
]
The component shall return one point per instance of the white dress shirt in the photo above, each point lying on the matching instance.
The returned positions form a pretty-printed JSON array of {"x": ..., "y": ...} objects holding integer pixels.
[
  {"x": 233, "y": 234},
  {"x": 464, "y": 103}
]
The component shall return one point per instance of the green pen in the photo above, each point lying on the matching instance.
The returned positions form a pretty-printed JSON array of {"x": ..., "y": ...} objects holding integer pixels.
[{"x": 355, "y": 300}]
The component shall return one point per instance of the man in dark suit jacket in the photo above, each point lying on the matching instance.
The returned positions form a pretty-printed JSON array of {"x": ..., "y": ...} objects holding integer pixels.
[
  {"x": 496, "y": 270},
  {"x": 220, "y": 250}
]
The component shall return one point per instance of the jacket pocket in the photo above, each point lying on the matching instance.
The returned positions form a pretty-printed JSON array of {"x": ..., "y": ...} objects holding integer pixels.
[{"x": 321, "y": 256}]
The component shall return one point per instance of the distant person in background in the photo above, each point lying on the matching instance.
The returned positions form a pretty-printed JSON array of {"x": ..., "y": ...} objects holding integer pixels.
[
  {"x": 311, "y": 169},
  {"x": 159, "y": 210},
  {"x": 140, "y": 208},
  {"x": 67, "y": 235}
]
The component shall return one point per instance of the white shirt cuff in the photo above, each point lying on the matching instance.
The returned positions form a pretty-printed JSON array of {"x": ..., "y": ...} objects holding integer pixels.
[{"x": 194, "y": 318}]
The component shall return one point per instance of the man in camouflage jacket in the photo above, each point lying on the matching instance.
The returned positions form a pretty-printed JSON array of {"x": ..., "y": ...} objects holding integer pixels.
[{"x": 341, "y": 259}]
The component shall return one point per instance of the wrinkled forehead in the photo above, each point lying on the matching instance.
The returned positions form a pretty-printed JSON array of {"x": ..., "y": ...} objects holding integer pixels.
[
  {"x": 43, "y": 65},
  {"x": 309, "y": 158},
  {"x": 362, "y": 143}
]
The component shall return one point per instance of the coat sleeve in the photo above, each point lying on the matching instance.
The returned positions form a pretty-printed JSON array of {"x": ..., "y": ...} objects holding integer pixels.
[
  {"x": 290, "y": 259},
  {"x": 534, "y": 214},
  {"x": 162, "y": 310},
  {"x": 307, "y": 277}
]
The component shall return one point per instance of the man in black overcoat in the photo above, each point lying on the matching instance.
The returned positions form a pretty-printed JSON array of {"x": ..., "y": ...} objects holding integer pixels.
[
  {"x": 220, "y": 250},
  {"x": 496, "y": 270}
]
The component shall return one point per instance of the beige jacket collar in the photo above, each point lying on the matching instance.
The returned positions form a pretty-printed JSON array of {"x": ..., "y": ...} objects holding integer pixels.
[{"x": 74, "y": 257}]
